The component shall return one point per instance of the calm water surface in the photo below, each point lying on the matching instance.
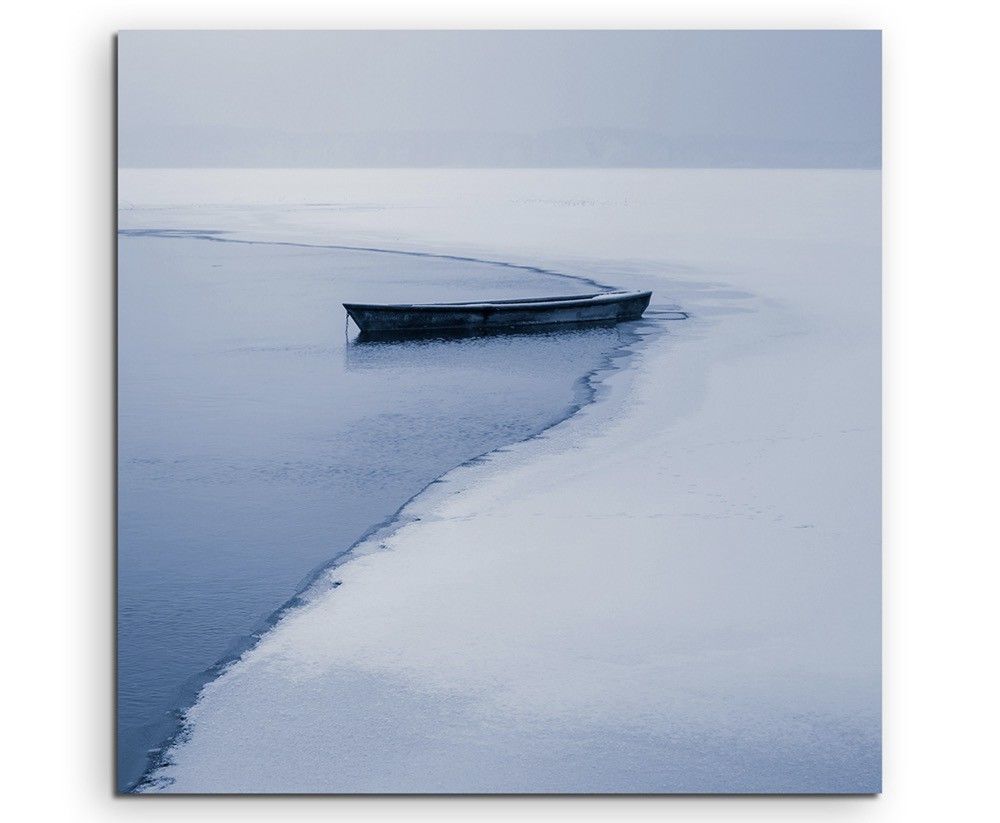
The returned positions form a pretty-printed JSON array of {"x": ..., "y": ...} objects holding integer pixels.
[{"x": 257, "y": 441}]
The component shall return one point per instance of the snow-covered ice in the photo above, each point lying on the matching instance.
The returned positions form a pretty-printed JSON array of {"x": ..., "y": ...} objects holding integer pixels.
[{"x": 677, "y": 589}]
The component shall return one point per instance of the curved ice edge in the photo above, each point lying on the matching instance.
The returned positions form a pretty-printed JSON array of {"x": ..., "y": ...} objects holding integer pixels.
[
  {"x": 319, "y": 581},
  {"x": 219, "y": 236}
]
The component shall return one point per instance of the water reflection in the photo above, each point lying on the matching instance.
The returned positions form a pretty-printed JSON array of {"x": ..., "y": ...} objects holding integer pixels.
[{"x": 488, "y": 348}]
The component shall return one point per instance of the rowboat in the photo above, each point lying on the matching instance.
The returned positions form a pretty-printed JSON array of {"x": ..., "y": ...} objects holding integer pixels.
[{"x": 403, "y": 318}]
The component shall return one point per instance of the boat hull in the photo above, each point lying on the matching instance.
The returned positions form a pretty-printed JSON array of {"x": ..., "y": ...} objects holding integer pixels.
[{"x": 500, "y": 314}]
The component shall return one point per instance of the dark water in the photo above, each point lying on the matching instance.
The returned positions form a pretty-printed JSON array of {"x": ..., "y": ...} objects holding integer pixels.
[{"x": 256, "y": 443}]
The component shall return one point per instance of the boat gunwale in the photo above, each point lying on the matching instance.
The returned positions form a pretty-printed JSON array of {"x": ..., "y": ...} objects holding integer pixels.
[{"x": 529, "y": 303}]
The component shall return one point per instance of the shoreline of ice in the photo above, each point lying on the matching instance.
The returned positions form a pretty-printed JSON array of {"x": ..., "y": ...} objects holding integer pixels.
[
  {"x": 689, "y": 595},
  {"x": 320, "y": 581}
]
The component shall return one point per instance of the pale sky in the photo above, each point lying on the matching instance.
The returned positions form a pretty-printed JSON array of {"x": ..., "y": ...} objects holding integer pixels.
[{"x": 500, "y": 98}]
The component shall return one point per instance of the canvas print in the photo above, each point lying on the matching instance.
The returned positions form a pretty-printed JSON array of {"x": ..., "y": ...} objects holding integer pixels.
[{"x": 498, "y": 412}]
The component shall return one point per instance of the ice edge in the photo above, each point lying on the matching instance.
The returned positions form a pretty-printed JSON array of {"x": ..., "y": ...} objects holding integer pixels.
[{"x": 317, "y": 581}]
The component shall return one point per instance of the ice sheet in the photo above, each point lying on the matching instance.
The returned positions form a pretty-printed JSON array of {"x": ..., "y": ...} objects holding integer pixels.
[{"x": 677, "y": 589}]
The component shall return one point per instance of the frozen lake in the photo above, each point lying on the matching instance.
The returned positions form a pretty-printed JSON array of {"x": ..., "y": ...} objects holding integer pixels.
[
  {"x": 257, "y": 441},
  {"x": 676, "y": 589}
]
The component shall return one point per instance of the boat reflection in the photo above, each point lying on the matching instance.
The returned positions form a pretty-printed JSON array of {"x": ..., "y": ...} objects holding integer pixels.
[{"x": 466, "y": 347}]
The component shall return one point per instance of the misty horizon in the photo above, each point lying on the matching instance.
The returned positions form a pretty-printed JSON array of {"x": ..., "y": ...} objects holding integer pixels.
[{"x": 505, "y": 99}]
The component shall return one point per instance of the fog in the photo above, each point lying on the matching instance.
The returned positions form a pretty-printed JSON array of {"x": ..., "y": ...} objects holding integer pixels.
[{"x": 500, "y": 98}]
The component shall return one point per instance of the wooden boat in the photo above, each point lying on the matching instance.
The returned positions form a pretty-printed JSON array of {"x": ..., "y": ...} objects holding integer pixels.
[{"x": 614, "y": 306}]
